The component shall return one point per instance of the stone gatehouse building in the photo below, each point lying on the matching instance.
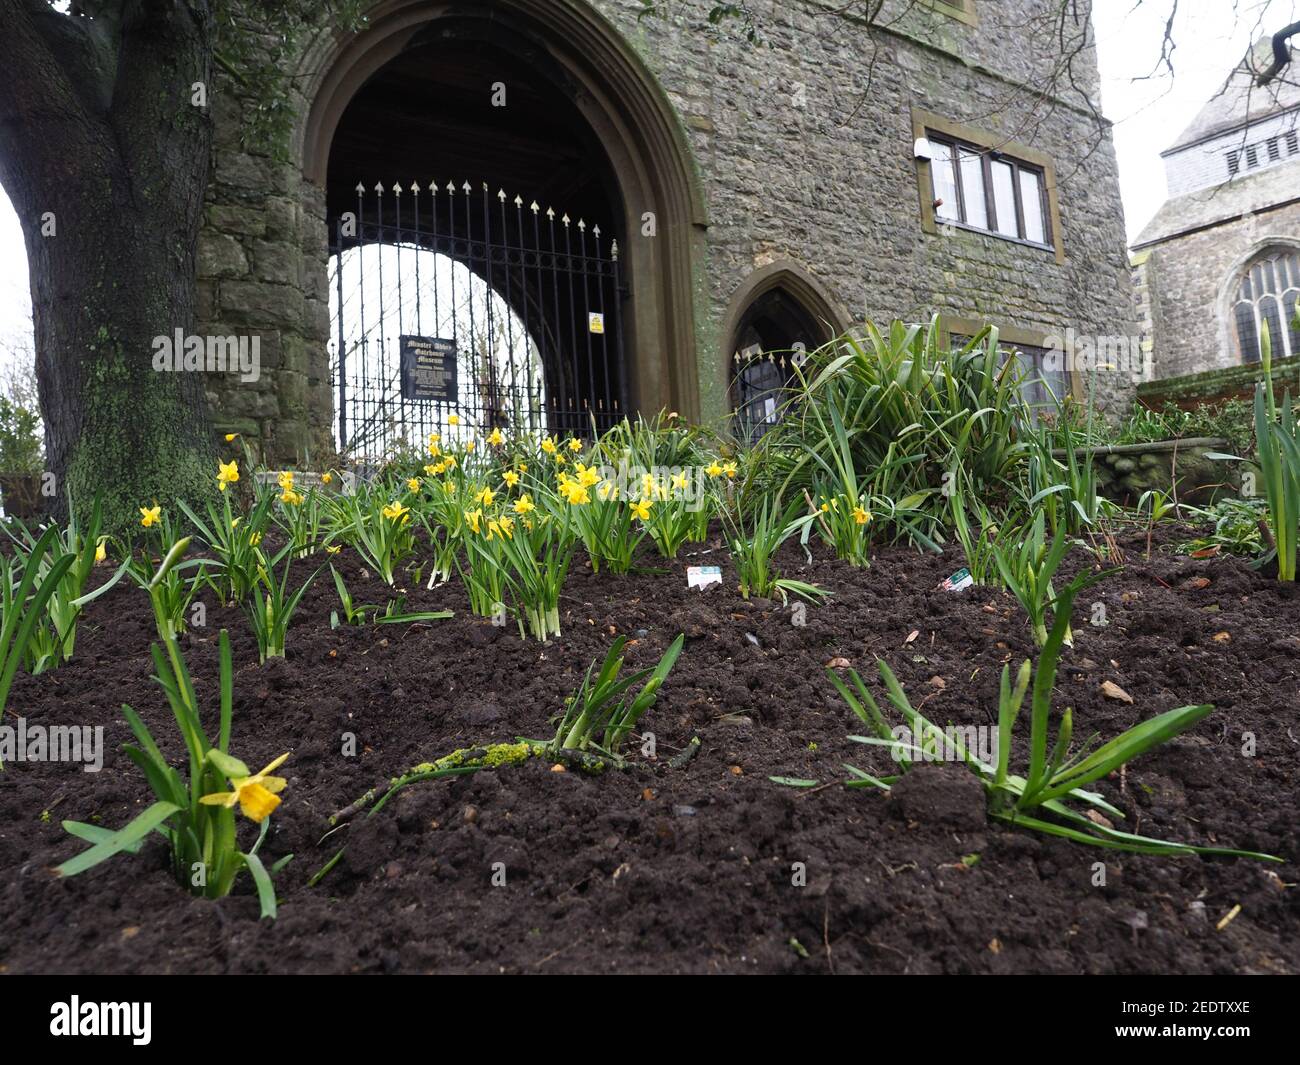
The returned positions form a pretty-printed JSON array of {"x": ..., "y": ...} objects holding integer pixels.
[
  {"x": 570, "y": 210},
  {"x": 1222, "y": 256}
]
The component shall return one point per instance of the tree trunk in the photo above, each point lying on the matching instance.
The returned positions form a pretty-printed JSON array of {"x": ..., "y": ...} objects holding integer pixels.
[{"x": 106, "y": 161}]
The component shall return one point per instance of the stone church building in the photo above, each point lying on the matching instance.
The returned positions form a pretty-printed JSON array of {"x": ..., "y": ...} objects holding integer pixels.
[
  {"x": 546, "y": 213},
  {"x": 1222, "y": 256}
]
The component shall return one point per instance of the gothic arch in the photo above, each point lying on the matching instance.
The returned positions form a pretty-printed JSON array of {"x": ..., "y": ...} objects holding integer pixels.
[
  {"x": 636, "y": 125},
  {"x": 1229, "y": 350}
]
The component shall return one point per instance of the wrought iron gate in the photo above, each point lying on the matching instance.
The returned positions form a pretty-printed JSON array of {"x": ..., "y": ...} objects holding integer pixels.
[{"x": 524, "y": 304}]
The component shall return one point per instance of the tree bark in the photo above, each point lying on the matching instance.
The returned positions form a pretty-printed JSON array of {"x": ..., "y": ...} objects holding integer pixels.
[{"x": 99, "y": 140}]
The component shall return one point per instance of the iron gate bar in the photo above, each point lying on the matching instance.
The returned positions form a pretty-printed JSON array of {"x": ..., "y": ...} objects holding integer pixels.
[{"x": 538, "y": 382}]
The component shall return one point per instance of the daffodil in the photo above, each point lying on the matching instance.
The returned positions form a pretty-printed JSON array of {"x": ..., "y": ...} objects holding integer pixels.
[
  {"x": 227, "y": 474},
  {"x": 101, "y": 551},
  {"x": 333, "y": 549},
  {"x": 326, "y": 477},
  {"x": 285, "y": 479},
  {"x": 434, "y": 450},
  {"x": 453, "y": 419},
  {"x": 680, "y": 481},
  {"x": 431, "y": 470},
  {"x": 451, "y": 462},
  {"x": 575, "y": 444},
  {"x": 576, "y": 494},
  {"x": 608, "y": 490},
  {"x": 434, "y": 438},
  {"x": 413, "y": 484},
  {"x": 257, "y": 795},
  {"x": 231, "y": 437},
  {"x": 511, "y": 478},
  {"x": 495, "y": 438},
  {"x": 548, "y": 445},
  {"x": 485, "y": 496},
  {"x": 641, "y": 508},
  {"x": 524, "y": 504},
  {"x": 713, "y": 469},
  {"x": 729, "y": 468},
  {"x": 522, "y": 467},
  {"x": 255, "y": 538},
  {"x": 587, "y": 476},
  {"x": 861, "y": 515},
  {"x": 394, "y": 511},
  {"x": 507, "y": 526},
  {"x": 292, "y": 498},
  {"x": 449, "y": 487},
  {"x": 472, "y": 519},
  {"x": 470, "y": 445},
  {"x": 150, "y": 516}
]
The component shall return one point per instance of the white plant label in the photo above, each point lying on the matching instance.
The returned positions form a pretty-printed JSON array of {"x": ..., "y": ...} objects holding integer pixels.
[{"x": 702, "y": 576}]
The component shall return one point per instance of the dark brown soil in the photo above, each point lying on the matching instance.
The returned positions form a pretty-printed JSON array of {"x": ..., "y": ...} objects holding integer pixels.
[{"x": 688, "y": 870}]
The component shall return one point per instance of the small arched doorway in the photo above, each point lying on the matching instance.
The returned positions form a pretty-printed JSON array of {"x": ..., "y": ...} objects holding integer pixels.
[
  {"x": 777, "y": 316},
  {"x": 557, "y": 146}
]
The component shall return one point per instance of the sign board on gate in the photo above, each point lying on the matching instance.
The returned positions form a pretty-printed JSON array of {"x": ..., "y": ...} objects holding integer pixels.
[{"x": 428, "y": 369}]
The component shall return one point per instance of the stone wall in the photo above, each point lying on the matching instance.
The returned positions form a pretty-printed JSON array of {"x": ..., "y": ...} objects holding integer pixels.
[
  {"x": 801, "y": 159},
  {"x": 1192, "y": 278}
]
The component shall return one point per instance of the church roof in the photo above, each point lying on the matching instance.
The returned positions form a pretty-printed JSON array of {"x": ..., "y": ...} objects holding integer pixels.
[{"x": 1240, "y": 101}]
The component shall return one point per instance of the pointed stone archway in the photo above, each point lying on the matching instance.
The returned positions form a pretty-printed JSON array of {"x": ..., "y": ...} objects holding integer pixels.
[{"x": 618, "y": 99}]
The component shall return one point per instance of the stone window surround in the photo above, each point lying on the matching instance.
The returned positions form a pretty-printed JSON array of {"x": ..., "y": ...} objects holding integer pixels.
[
  {"x": 925, "y": 122},
  {"x": 1229, "y": 290},
  {"x": 1010, "y": 336},
  {"x": 961, "y": 10}
]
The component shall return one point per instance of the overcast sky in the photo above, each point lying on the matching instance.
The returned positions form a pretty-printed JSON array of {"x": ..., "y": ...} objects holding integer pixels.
[{"x": 1148, "y": 106}]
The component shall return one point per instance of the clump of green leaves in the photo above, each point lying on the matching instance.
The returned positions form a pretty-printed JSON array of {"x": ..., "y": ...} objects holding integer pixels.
[
  {"x": 195, "y": 814},
  {"x": 1055, "y": 778},
  {"x": 599, "y": 716}
]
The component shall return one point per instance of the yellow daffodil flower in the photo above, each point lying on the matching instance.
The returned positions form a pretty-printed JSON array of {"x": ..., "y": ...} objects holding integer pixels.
[
  {"x": 522, "y": 467},
  {"x": 576, "y": 494},
  {"x": 431, "y": 470},
  {"x": 641, "y": 508},
  {"x": 495, "y": 438},
  {"x": 451, "y": 462},
  {"x": 434, "y": 450},
  {"x": 587, "y": 477},
  {"x": 729, "y": 468},
  {"x": 227, "y": 474},
  {"x": 575, "y": 444},
  {"x": 231, "y": 437},
  {"x": 454, "y": 419},
  {"x": 473, "y": 518},
  {"x": 289, "y": 496},
  {"x": 101, "y": 552},
  {"x": 413, "y": 484},
  {"x": 470, "y": 445},
  {"x": 285, "y": 479},
  {"x": 394, "y": 510},
  {"x": 150, "y": 516},
  {"x": 524, "y": 504},
  {"x": 861, "y": 515},
  {"x": 257, "y": 795},
  {"x": 507, "y": 526},
  {"x": 485, "y": 496},
  {"x": 511, "y": 478},
  {"x": 607, "y": 491},
  {"x": 548, "y": 445},
  {"x": 326, "y": 477},
  {"x": 680, "y": 480},
  {"x": 434, "y": 438},
  {"x": 255, "y": 539},
  {"x": 713, "y": 469},
  {"x": 333, "y": 549},
  {"x": 449, "y": 487}
]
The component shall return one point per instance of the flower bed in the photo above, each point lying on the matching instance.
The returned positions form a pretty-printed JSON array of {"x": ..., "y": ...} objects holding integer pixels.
[{"x": 685, "y": 863}]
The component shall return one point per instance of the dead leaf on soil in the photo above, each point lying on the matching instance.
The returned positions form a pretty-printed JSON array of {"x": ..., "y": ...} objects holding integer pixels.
[
  {"x": 912, "y": 636},
  {"x": 1222, "y": 637},
  {"x": 938, "y": 682},
  {"x": 1195, "y": 584},
  {"x": 838, "y": 663},
  {"x": 1206, "y": 552},
  {"x": 1113, "y": 691},
  {"x": 1099, "y": 819},
  {"x": 736, "y": 771},
  {"x": 648, "y": 794}
]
